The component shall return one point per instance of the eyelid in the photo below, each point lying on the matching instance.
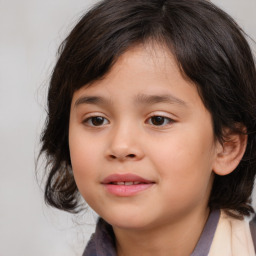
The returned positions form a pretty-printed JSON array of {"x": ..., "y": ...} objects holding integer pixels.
[
  {"x": 89, "y": 116},
  {"x": 161, "y": 114}
]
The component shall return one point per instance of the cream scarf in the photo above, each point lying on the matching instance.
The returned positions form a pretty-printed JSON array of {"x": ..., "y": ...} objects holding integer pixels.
[{"x": 232, "y": 238}]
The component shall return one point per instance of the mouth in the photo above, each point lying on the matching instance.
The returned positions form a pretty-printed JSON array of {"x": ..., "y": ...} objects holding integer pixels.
[
  {"x": 125, "y": 179},
  {"x": 125, "y": 185}
]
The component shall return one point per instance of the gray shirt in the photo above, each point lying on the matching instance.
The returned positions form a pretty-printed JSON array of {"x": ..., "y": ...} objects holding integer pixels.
[{"x": 102, "y": 242}]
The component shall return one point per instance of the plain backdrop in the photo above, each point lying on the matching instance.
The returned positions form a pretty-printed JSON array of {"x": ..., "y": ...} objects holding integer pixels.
[{"x": 30, "y": 32}]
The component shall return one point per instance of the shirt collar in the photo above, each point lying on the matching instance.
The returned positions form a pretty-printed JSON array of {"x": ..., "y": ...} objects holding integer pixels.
[
  {"x": 204, "y": 244},
  {"x": 102, "y": 242}
]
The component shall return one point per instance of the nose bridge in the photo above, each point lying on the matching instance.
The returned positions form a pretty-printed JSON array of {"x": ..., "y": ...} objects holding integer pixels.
[{"x": 124, "y": 141}]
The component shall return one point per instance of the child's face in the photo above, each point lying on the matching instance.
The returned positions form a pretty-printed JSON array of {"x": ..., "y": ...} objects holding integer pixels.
[{"x": 152, "y": 124}]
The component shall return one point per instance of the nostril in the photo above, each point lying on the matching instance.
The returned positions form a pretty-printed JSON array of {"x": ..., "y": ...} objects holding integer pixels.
[
  {"x": 123, "y": 157},
  {"x": 131, "y": 155}
]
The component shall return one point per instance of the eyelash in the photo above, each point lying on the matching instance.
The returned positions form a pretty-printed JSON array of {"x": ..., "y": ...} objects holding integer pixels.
[
  {"x": 167, "y": 121},
  {"x": 90, "y": 119}
]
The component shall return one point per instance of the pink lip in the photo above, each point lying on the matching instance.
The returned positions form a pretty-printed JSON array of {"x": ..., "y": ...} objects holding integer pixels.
[
  {"x": 126, "y": 190},
  {"x": 124, "y": 177}
]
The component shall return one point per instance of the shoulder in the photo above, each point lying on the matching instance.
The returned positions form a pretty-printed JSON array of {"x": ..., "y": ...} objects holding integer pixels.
[
  {"x": 233, "y": 237},
  {"x": 102, "y": 242},
  {"x": 253, "y": 231},
  {"x": 90, "y": 249}
]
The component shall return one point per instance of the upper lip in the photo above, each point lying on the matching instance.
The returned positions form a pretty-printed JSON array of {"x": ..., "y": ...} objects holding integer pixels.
[{"x": 125, "y": 178}]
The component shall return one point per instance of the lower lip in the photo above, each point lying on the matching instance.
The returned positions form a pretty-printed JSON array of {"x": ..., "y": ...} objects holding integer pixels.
[{"x": 124, "y": 191}]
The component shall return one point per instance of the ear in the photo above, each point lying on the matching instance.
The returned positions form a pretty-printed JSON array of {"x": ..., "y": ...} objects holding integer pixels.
[{"x": 230, "y": 152}]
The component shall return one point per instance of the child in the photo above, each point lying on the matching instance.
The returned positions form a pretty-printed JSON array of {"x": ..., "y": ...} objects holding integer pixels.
[{"x": 152, "y": 119}]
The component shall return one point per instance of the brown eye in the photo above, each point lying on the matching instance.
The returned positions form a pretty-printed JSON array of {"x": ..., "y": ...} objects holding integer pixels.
[
  {"x": 159, "y": 120},
  {"x": 95, "y": 121}
]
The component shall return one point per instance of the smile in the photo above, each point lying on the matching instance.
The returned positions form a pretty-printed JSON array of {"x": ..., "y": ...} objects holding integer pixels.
[{"x": 125, "y": 185}]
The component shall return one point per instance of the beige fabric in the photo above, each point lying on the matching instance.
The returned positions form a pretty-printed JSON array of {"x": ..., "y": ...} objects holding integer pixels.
[{"x": 232, "y": 238}]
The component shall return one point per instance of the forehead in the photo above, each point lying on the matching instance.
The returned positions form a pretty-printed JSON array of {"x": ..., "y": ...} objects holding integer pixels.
[
  {"x": 148, "y": 57},
  {"x": 144, "y": 70}
]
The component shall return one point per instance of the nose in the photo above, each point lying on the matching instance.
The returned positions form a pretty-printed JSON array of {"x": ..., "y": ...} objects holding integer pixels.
[{"x": 124, "y": 144}]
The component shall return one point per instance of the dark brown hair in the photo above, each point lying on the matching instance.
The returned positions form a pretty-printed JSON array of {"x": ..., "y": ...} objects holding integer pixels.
[{"x": 211, "y": 51}]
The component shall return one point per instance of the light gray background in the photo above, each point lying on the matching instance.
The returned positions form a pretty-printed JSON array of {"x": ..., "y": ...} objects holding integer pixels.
[{"x": 30, "y": 32}]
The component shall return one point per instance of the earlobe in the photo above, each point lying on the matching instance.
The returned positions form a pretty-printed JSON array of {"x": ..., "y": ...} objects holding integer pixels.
[{"x": 230, "y": 153}]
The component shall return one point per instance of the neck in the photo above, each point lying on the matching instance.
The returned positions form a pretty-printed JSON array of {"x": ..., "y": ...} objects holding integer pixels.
[{"x": 169, "y": 239}]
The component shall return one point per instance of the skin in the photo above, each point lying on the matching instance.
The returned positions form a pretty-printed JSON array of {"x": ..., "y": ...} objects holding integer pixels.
[{"x": 178, "y": 156}]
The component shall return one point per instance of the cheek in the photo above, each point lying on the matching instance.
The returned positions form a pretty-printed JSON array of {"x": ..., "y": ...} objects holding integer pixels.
[
  {"x": 185, "y": 174},
  {"x": 185, "y": 160},
  {"x": 84, "y": 158}
]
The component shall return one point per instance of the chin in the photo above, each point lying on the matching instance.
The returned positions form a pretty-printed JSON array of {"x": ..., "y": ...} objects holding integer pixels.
[{"x": 126, "y": 221}]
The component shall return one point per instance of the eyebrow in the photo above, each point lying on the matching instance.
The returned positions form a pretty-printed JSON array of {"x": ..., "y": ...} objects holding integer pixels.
[
  {"x": 153, "y": 99},
  {"x": 95, "y": 100},
  {"x": 141, "y": 99}
]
